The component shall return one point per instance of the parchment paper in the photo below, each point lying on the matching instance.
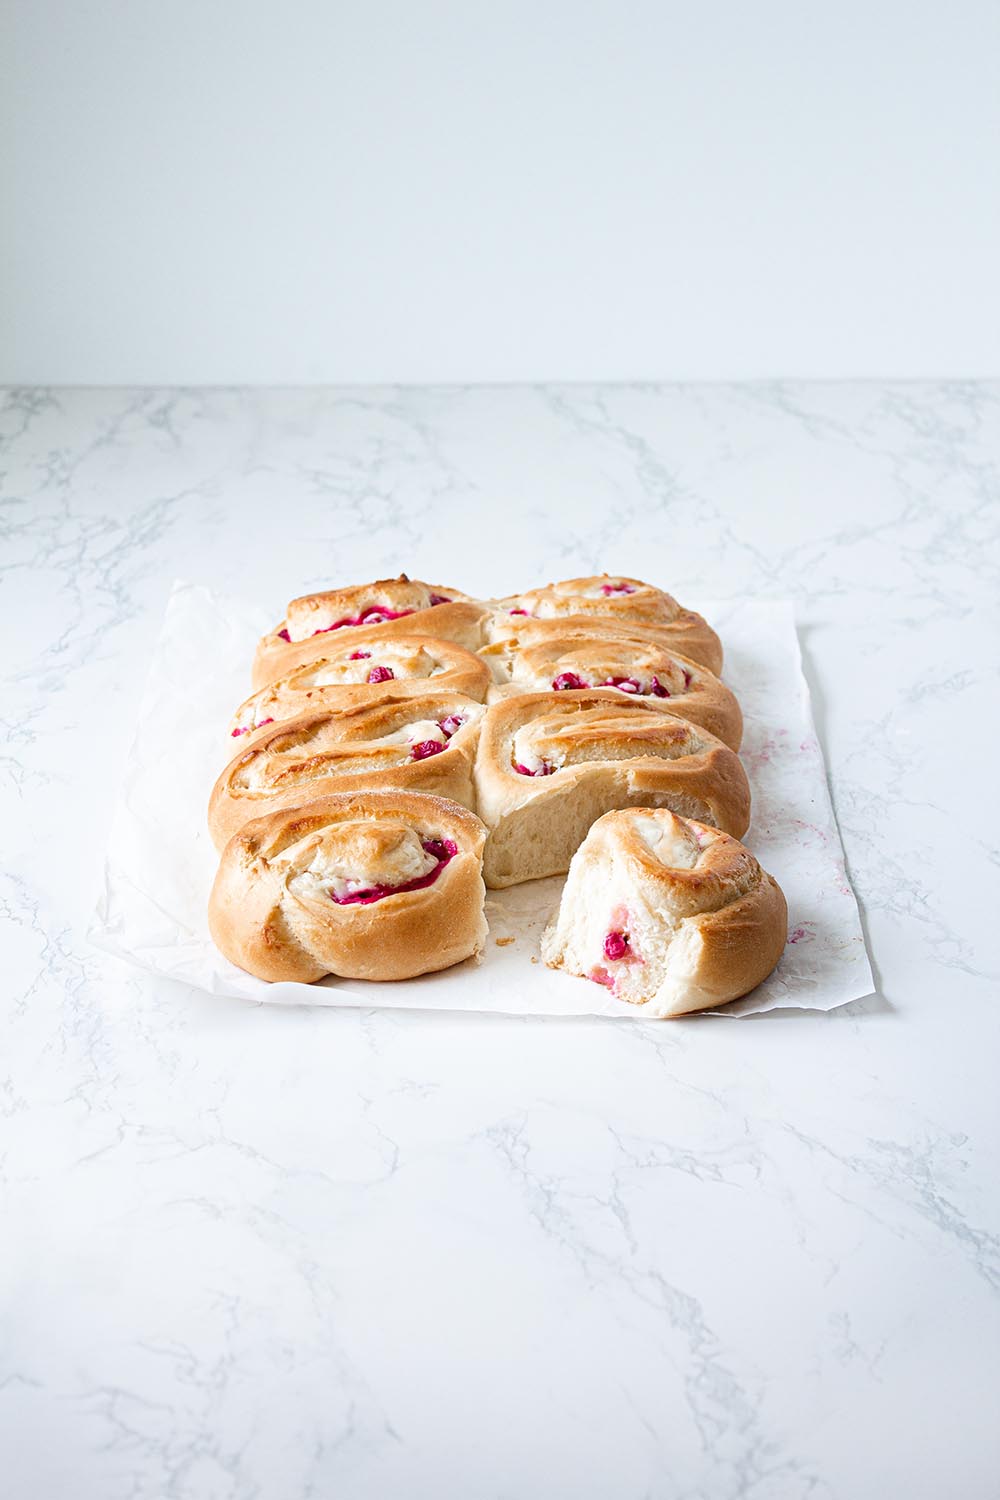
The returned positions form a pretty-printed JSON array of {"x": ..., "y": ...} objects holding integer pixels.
[{"x": 160, "y": 860}]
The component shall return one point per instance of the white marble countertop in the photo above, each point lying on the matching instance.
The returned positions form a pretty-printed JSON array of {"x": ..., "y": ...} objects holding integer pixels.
[{"x": 255, "y": 1254}]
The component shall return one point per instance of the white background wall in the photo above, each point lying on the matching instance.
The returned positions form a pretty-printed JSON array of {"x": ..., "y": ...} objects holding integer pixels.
[{"x": 247, "y": 190}]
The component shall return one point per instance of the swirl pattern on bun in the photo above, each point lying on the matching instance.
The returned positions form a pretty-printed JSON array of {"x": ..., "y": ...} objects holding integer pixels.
[
  {"x": 366, "y": 665},
  {"x": 549, "y": 764},
  {"x": 572, "y": 659},
  {"x": 606, "y": 602},
  {"x": 401, "y": 742},
  {"x": 393, "y": 606},
  {"x": 366, "y": 885}
]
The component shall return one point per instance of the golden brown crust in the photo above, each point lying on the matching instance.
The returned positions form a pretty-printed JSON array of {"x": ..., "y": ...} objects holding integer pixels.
[
  {"x": 605, "y": 595},
  {"x": 574, "y": 657},
  {"x": 320, "y": 757},
  {"x": 588, "y": 753},
  {"x": 389, "y": 606},
  {"x": 696, "y": 920},
  {"x": 338, "y": 673},
  {"x": 732, "y": 950},
  {"x": 358, "y": 746},
  {"x": 687, "y": 633},
  {"x": 272, "y": 913}
]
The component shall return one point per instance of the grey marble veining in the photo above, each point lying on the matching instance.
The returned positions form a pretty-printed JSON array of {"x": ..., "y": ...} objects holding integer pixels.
[{"x": 252, "y": 1254}]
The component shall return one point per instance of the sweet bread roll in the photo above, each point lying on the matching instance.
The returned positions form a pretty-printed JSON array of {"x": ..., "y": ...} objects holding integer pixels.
[
  {"x": 667, "y": 913},
  {"x": 689, "y": 635},
  {"x": 395, "y": 606},
  {"x": 366, "y": 885},
  {"x": 363, "y": 665},
  {"x": 404, "y": 742},
  {"x": 573, "y": 659},
  {"x": 549, "y": 764},
  {"x": 613, "y": 601}
]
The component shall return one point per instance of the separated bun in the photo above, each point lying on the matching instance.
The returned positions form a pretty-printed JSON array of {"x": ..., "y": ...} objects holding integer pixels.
[{"x": 667, "y": 913}]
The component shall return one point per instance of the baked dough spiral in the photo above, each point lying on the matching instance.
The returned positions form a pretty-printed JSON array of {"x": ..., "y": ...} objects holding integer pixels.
[
  {"x": 365, "y": 665},
  {"x": 572, "y": 658},
  {"x": 395, "y": 606},
  {"x": 404, "y": 742},
  {"x": 549, "y": 764},
  {"x": 611, "y": 600},
  {"x": 366, "y": 885},
  {"x": 668, "y": 913}
]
